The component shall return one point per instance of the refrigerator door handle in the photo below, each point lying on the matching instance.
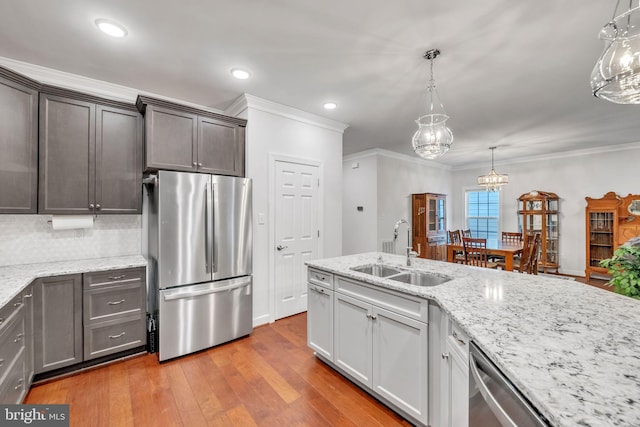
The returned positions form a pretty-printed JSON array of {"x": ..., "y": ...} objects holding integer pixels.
[
  {"x": 190, "y": 294},
  {"x": 213, "y": 238},
  {"x": 208, "y": 226}
]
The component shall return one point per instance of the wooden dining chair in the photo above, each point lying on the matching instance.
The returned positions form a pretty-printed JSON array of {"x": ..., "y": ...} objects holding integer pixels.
[
  {"x": 455, "y": 238},
  {"x": 475, "y": 252},
  {"x": 466, "y": 233},
  {"x": 511, "y": 237},
  {"x": 530, "y": 252}
]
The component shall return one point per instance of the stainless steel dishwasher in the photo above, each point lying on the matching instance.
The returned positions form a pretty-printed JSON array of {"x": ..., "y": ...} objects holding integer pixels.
[{"x": 493, "y": 400}]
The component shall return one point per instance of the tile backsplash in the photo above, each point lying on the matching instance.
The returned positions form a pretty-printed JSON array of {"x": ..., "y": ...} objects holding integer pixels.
[{"x": 27, "y": 239}]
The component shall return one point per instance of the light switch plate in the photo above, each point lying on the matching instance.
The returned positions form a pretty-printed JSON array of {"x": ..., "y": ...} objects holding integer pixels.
[{"x": 261, "y": 219}]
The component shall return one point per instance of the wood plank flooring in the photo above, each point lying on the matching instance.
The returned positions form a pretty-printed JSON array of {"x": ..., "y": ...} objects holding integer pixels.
[{"x": 270, "y": 378}]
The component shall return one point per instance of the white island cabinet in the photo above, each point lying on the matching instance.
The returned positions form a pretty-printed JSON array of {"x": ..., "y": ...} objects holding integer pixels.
[
  {"x": 320, "y": 313},
  {"x": 456, "y": 394},
  {"x": 380, "y": 340}
]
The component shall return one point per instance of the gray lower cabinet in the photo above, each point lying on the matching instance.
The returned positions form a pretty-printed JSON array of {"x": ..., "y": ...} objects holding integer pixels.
[
  {"x": 90, "y": 157},
  {"x": 183, "y": 138},
  {"x": 18, "y": 143},
  {"x": 57, "y": 322},
  {"x": 114, "y": 311},
  {"x": 14, "y": 352}
]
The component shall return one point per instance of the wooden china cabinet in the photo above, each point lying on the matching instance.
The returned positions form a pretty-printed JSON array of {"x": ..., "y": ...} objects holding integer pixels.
[
  {"x": 538, "y": 213},
  {"x": 429, "y": 225},
  {"x": 610, "y": 221}
]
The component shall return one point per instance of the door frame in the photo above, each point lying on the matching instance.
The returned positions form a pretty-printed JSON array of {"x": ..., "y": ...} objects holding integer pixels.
[{"x": 273, "y": 159}]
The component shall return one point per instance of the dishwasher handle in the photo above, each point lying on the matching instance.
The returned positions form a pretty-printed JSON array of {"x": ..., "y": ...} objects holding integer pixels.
[
  {"x": 491, "y": 401},
  {"x": 170, "y": 296}
]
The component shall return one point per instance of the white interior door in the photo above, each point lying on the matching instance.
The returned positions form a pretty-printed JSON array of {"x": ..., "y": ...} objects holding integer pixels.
[{"x": 296, "y": 233}]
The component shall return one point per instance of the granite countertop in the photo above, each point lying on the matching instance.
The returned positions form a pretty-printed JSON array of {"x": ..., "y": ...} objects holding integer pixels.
[
  {"x": 14, "y": 278},
  {"x": 572, "y": 349}
]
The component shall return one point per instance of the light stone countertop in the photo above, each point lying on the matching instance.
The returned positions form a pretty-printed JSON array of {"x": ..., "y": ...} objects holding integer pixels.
[
  {"x": 14, "y": 278},
  {"x": 572, "y": 349}
]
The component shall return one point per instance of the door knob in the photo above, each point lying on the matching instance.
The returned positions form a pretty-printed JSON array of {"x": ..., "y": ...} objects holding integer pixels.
[{"x": 280, "y": 247}]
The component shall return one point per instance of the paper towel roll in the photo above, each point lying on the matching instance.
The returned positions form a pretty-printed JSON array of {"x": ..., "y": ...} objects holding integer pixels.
[{"x": 71, "y": 222}]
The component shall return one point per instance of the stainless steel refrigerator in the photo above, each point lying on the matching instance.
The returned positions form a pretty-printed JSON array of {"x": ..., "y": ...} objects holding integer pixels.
[{"x": 199, "y": 253}]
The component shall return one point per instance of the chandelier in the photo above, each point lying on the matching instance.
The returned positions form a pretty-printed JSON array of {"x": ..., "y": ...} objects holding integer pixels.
[
  {"x": 433, "y": 138},
  {"x": 616, "y": 75},
  {"x": 493, "y": 181}
]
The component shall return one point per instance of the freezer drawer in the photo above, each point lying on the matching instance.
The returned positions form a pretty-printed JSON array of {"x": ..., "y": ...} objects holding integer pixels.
[{"x": 196, "y": 317}]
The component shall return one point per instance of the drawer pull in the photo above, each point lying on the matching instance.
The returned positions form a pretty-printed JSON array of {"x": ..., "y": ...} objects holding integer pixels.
[
  {"x": 113, "y": 337},
  {"x": 115, "y": 302},
  {"x": 322, "y": 278},
  {"x": 17, "y": 304},
  {"x": 19, "y": 386},
  {"x": 19, "y": 337},
  {"x": 445, "y": 356},
  {"x": 1, "y": 362},
  {"x": 318, "y": 290},
  {"x": 1, "y": 320},
  {"x": 27, "y": 296},
  {"x": 460, "y": 340},
  {"x": 117, "y": 277}
]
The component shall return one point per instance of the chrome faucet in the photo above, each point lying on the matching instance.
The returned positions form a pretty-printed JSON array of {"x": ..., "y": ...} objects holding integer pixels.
[{"x": 410, "y": 252}]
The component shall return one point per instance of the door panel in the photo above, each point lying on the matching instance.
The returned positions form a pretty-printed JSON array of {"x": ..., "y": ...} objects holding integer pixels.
[
  {"x": 296, "y": 233},
  {"x": 67, "y": 155},
  {"x": 220, "y": 147},
  {"x": 171, "y": 139},
  {"x": 182, "y": 209},
  {"x": 232, "y": 230}
]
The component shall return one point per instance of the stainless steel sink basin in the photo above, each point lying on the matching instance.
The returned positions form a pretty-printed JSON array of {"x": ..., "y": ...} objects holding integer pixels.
[
  {"x": 378, "y": 270},
  {"x": 420, "y": 279}
]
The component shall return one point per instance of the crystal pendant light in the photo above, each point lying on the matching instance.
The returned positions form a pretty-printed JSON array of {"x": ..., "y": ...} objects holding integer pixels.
[
  {"x": 433, "y": 138},
  {"x": 616, "y": 75},
  {"x": 493, "y": 181}
]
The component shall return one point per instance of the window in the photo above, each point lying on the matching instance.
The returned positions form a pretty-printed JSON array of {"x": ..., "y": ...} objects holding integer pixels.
[{"x": 483, "y": 212}]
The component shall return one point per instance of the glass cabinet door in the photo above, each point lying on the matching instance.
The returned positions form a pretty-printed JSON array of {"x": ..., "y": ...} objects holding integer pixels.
[
  {"x": 441, "y": 215},
  {"x": 432, "y": 215}
]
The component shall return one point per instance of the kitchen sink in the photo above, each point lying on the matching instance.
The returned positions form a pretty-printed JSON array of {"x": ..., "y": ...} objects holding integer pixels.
[
  {"x": 419, "y": 279},
  {"x": 378, "y": 270}
]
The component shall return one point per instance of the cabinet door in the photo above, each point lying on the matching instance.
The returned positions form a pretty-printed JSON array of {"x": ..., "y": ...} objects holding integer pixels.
[
  {"x": 118, "y": 161},
  {"x": 19, "y": 148},
  {"x": 458, "y": 398},
  {"x": 320, "y": 320},
  {"x": 400, "y": 362},
  {"x": 353, "y": 337},
  {"x": 170, "y": 139},
  {"x": 58, "y": 322},
  {"x": 67, "y": 155},
  {"x": 220, "y": 147}
]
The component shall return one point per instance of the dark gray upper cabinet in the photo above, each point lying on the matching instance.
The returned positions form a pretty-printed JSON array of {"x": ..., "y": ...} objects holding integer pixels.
[
  {"x": 18, "y": 143},
  {"x": 184, "y": 138},
  {"x": 90, "y": 155}
]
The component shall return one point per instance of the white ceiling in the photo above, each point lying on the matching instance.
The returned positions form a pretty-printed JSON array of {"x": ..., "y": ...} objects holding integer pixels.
[{"x": 514, "y": 74}]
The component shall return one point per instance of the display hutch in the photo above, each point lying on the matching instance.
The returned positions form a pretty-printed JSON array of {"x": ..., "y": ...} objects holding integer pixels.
[
  {"x": 610, "y": 222},
  {"x": 538, "y": 213},
  {"x": 429, "y": 225}
]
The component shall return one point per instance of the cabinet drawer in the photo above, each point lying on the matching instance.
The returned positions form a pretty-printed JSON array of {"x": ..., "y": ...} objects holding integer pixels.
[
  {"x": 13, "y": 387},
  {"x": 9, "y": 310},
  {"x": 319, "y": 277},
  {"x": 114, "y": 336},
  {"x": 113, "y": 302},
  {"x": 459, "y": 341},
  {"x": 12, "y": 339},
  {"x": 415, "y": 308},
  {"x": 113, "y": 277}
]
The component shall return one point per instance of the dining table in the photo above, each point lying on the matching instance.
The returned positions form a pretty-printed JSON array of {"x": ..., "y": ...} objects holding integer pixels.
[{"x": 496, "y": 247}]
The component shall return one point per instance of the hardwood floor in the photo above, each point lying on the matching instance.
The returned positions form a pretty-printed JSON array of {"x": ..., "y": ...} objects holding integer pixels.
[{"x": 270, "y": 378}]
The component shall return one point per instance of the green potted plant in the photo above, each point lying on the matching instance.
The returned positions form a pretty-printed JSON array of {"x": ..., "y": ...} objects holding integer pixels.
[{"x": 624, "y": 267}]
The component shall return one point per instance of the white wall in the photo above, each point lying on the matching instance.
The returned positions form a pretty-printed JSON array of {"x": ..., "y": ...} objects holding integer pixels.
[
  {"x": 360, "y": 188},
  {"x": 276, "y": 129},
  {"x": 383, "y": 185},
  {"x": 572, "y": 177}
]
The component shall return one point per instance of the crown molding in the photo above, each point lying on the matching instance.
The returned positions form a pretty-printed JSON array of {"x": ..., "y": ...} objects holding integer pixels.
[
  {"x": 562, "y": 155},
  {"x": 393, "y": 155},
  {"x": 246, "y": 101},
  {"x": 87, "y": 85}
]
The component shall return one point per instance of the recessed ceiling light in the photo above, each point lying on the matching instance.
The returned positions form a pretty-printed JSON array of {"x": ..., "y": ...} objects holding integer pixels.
[
  {"x": 330, "y": 105},
  {"x": 111, "y": 28},
  {"x": 241, "y": 74}
]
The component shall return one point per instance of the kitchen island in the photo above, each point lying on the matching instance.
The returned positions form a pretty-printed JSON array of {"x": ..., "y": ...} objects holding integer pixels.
[{"x": 571, "y": 349}]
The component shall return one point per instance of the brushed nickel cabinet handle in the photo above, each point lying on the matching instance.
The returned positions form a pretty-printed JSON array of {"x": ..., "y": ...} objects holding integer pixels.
[
  {"x": 115, "y": 302},
  {"x": 18, "y": 338},
  {"x": 195, "y": 164},
  {"x": 27, "y": 296},
  {"x": 117, "y": 277},
  {"x": 116, "y": 336},
  {"x": 445, "y": 355},
  {"x": 199, "y": 165},
  {"x": 19, "y": 386},
  {"x": 368, "y": 315},
  {"x": 460, "y": 340},
  {"x": 90, "y": 205},
  {"x": 320, "y": 277},
  {"x": 17, "y": 304},
  {"x": 98, "y": 206}
]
